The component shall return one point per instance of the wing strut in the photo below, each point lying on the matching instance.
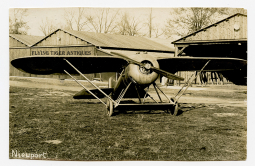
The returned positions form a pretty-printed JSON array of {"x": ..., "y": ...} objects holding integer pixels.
[
  {"x": 84, "y": 87},
  {"x": 138, "y": 94},
  {"x": 157, "y": 92},
  {"x": 187, "y": 84},
  {"x": 90, "y": 83},
  {"x": 156, "y": 87}
]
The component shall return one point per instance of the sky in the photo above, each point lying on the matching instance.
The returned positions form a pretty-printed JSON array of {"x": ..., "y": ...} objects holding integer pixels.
[{"x": 36, "y": 15}]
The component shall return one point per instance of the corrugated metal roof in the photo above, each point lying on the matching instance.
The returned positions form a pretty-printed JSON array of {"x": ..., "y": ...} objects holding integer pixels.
[
  {"x": 26, "y": 39},
  {"x": 116, "y": 41},
  {"x": 165, "y": 42},
  {"x": 130, "y": 53},
  {"x": 201, "y": 30}
]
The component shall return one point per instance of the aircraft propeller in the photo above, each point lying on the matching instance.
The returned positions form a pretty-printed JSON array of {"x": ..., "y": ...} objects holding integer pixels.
[{"x": 150, "y": 67}]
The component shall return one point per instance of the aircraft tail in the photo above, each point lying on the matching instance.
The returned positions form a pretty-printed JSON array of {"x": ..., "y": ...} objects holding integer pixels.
[{"x": 83, "y": 94}]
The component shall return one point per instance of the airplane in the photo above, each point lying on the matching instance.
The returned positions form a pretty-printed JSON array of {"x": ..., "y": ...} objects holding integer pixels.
[{"x": 137, "y": 73}]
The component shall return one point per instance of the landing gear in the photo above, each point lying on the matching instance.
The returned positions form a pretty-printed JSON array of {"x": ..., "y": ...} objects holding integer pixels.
[
  {"x": 173, "y": 108},
  {"x": 174, "y": 100},
  {"x": 109, "y": 107}
]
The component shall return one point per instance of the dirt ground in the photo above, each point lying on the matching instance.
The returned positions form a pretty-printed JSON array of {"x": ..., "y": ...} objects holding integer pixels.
[{"x": 44, "y": 118}]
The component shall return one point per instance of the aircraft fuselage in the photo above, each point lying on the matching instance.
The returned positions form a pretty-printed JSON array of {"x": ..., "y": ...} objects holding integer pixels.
[{"x": 141, "y": 77}]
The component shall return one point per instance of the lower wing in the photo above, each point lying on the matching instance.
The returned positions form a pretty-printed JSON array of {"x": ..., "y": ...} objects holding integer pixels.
[
  {"x": 174, "y": 64},
  {"x": 44, "y": 65},
  {"x": 235, "y": 70},
  {"x": 84, "y": 94}
]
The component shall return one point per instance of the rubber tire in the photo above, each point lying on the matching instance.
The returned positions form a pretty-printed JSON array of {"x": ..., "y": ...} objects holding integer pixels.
[
  {"x": 109, "y": 103},
  {"x": 109, "y": 108},
  {"x": 176, "y": 109}
]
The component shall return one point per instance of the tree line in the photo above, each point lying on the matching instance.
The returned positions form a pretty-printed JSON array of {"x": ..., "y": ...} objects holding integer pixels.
[{"x": 180, "y": 22}]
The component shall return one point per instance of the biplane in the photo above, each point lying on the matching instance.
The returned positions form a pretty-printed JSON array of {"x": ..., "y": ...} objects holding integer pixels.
[{"x": 136, "y": 74}]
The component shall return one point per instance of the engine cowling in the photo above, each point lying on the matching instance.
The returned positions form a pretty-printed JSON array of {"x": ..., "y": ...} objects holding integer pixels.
[{"x": 142, "y": 75}]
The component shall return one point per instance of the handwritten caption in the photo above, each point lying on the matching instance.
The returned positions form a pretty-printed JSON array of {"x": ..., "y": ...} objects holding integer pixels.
[{"x": 18, "y": 154}]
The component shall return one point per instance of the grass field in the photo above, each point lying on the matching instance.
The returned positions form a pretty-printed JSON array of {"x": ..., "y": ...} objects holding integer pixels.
[{"x": 48, "y": 120}]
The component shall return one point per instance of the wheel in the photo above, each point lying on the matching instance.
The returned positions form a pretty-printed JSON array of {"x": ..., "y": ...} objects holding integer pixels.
[
  {"x": 109, "y": 108},
  {"x": 174, "y": 109}
]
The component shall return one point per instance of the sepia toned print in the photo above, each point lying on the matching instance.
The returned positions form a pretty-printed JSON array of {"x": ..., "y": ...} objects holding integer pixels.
[{"x": 114, "y": 84}]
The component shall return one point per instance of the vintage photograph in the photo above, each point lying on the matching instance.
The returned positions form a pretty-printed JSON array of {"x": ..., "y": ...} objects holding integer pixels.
[{"x": 128, "y": 84}]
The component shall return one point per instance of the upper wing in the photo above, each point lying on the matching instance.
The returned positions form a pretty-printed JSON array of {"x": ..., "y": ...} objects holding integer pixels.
[
  {"x": 174, "y": 64},
  {"x": 56, "y": 64}
]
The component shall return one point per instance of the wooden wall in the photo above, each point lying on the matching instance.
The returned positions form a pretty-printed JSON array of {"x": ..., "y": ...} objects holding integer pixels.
[
  {"x": 16, "y": 53},
  {"x": 18, "y": 50},
  {"x": 223, "y": 30},
  {"x": 211, "y": 78},
  {"x": 22, "y": 52},
  {"x": 58, "y": 42}
]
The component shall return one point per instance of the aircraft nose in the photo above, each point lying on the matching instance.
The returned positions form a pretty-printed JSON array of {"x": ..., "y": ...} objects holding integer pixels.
[{"x": 147, "y": 66}]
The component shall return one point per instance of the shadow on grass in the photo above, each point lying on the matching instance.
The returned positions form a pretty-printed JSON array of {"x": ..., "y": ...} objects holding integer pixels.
[
  {"x": 183, "y": 107},
  {"x": 152, "y": 112},
  {"x": 119, "y": 112}
]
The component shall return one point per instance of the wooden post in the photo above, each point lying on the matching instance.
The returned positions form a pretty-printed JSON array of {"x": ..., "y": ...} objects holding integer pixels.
[
  {"x": 175, "y": 54},
  {"x": 116, "y": 77},
  {"x": 176, "y": 51}
]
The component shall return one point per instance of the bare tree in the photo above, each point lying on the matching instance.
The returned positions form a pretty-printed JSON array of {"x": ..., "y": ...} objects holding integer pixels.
[
  {"x": 17, "y": 23},
  {"x": 231, "y": 11},
  {"x": 159, "y": 31},
  {"x": 187, "y": 20},
  {"x": 149, "y": 23},
  {"x": 128, "y": 25},
  {"x": 47, "y": 26},
  {"x": 102, "y": 20},
  {"x": 153, "y": 29},
  {"x": 75, "y": 19}
]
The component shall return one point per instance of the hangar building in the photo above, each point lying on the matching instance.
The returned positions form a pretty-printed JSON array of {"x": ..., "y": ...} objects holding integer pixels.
[
  {"x": 225, "y": 38},
  {"x": 19, "y": 46},
  {"x": 81, "y": 43}
]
